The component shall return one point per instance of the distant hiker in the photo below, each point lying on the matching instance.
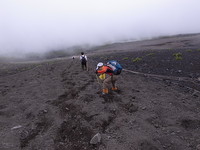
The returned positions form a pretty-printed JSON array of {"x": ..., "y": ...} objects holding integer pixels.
[
  {"x": 108, "y": 73},
  {"x": 73, "y": 57},
  {"x": 83, "y": 59}
]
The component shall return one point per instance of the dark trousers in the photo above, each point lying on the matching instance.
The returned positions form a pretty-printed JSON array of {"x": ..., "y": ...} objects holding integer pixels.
[{"x": 84, "y": 65}]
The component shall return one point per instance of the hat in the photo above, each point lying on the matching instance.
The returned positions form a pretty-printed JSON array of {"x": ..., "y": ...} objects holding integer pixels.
[{"x": 99, "y": 65}]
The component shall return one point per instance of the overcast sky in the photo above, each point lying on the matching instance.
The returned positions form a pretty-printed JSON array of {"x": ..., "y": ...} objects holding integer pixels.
[{"x": 42, "y": 25}]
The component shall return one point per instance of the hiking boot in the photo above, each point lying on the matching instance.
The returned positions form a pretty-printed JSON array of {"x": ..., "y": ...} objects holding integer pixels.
[
  {"x": 105, "y": 91},
  {"x": 114, "y": 88}
]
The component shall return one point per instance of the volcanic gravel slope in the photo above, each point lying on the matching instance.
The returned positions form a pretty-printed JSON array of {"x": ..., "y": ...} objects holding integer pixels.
[{"x": 54, "y": 105}]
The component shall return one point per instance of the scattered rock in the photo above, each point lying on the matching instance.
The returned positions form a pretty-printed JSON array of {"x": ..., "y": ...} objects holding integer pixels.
[
  {"x": 143, "y": 108},
  {"x": 96, "y": 139},
  {"x": 16, "y": 127},
  {"x": 132, "y": 122},
  {"x": 198, "y": 147},
  {"x": 190, "y": 123},
  {"x": 191, "y": 75},
  {"x": 133, "y": 108},
  {"x": 145, "y": 145},
  {"x": 133, "y": 97},
  {"x": 154, "y": 102},
  {"x": 195, "y": 95},
  {"x": 156, "y": 125},
  {"x": 135, "y": 91},
  {"x": 45, "y": 111}
]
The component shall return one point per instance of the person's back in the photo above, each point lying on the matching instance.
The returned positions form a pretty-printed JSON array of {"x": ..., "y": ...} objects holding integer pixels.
[
  {"x": 111, "y": 79},
  {"x": 83, "y": 59}
]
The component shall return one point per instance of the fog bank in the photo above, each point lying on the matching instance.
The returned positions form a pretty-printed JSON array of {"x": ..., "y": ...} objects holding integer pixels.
[{"x": 40, "y": 26}]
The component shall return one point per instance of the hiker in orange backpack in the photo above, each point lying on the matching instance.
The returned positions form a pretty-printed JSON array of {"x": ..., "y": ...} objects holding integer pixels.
[
  {"x": 83, "y": 59},
  {"x": 109, "y": 79}
]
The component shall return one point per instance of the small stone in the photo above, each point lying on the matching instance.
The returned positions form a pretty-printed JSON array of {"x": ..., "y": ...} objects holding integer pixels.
[
  {"x": 143, "y": 108},
  {"x": 133, "y": 108},
  {"x": 107, "y": 130},
  {"x": 96, "y": 139},
  {"x": 191, "y": 75},
  {"x": 156, "y": 125},
  {"x": 16, "y": 127},
  {"x": 179, "y": 71},
  {"x": 61, "y": 143},
  {"x": 163, "y": 128},
  {"x": 132, "y": 122},
  {"x": 154, "y": 102},
  {"x": 173, "y": 133},
  {"x": 198, "y": 147},
  {"x": 109, "y": 137},
  {"x": 134, "y": 96},
  {"x": 195, "y": 94}
]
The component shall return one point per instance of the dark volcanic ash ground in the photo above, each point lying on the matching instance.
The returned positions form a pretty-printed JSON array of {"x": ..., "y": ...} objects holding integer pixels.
[{"x": 54, "y": 105}]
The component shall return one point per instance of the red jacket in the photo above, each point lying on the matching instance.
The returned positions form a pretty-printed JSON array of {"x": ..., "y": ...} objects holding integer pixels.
[{"x": 105, "y": 69}]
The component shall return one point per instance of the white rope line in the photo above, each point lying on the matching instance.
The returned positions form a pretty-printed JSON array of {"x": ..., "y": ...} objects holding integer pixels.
[
  {"x": 159, "y": 77},
  {"x": 163, "y": 76}
]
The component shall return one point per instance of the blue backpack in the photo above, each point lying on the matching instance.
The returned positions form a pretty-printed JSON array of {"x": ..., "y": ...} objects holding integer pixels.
[{"x": 116, "y": 67}]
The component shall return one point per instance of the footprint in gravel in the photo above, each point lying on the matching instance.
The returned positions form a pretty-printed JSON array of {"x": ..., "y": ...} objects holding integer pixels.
[
  {"x": 87, "y": 97},
  {"x": 66, "y": 108},
  {"x": 4, "y": 92},
  {"x": 74, "y": 135},
  {"x": 7, "y": 114},
  {"x": 2, "y": 107},
  {"x": 155, "y": 121},
  {"x": 135, "y": 91},
  {"x": 70, "y": 83},
  {"x": 190, "y": 124},
  {"x": 37, "y": 128},
  {"x": 145, "y": 145},
  {"x": 107, "y": 98},
  {"x": 118, "y": 91},
  {"x": 131, "y": 108}
]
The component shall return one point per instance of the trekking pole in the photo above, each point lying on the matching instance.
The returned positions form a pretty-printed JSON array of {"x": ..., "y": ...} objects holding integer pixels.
[
  {"x": 87, "y": 66},
  {"x": 100, "y": 86},
  {"x": 98, "y": 79}
]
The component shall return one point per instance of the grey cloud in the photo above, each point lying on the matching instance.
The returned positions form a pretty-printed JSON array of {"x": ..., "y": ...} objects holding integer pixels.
[{"x": 40, "y": 26}]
